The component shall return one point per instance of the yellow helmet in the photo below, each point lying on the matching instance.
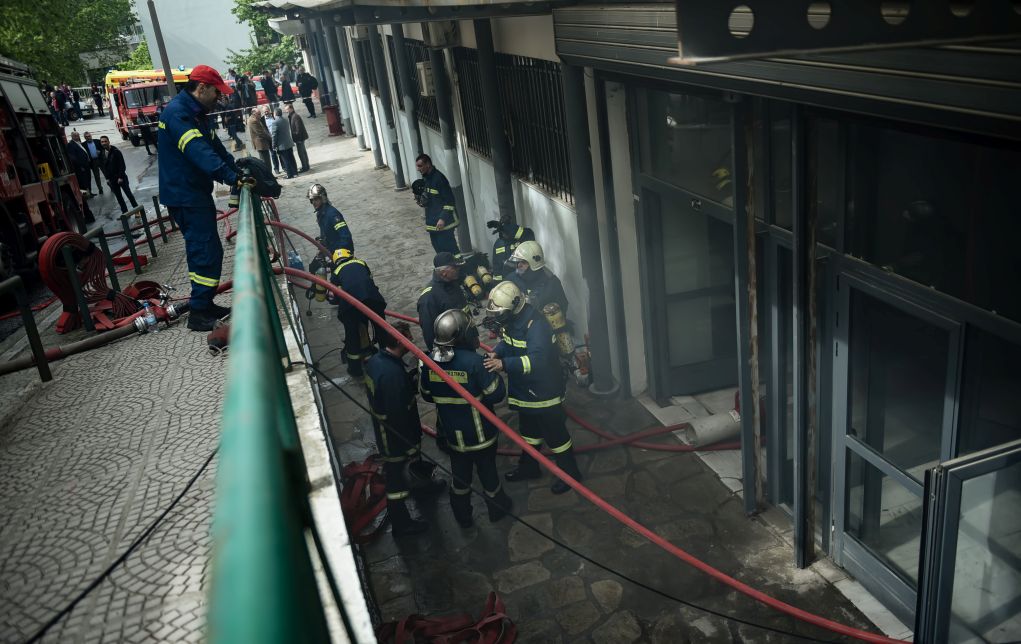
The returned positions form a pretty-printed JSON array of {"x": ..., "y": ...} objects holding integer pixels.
[
  {"x": 531, "y": 252},
  {"x": 341, "y": 253},
  {"x": 505, "y": 299}
]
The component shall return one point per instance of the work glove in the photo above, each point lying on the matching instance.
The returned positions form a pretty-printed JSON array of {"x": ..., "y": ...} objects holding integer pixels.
[{"x": 495, "y": 225}]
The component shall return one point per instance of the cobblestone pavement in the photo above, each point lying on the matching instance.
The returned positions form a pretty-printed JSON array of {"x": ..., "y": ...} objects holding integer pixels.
[{"x": 551, "y": 593}]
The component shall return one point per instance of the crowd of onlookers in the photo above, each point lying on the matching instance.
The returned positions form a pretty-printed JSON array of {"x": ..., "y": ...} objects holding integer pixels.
[{"x": 66, "y": 102}]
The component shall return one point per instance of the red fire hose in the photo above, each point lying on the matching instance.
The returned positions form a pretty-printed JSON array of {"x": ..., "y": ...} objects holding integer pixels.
[{"x": 595, "y": 499}]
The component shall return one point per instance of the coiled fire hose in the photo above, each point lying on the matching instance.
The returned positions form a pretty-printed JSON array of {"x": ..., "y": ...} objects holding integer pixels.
[{"x": 595, "y": 499}]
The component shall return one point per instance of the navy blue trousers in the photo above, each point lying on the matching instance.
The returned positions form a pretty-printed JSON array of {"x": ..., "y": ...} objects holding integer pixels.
[
  {"x": 203, "y": 249},
  {"x": 444, "y": 241}
]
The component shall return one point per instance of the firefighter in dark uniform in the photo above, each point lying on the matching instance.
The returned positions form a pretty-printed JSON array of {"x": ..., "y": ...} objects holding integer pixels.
[
  {"x": 353, "y": 275},
  {"x": 509, "y": 237},
  {"x": 440, "y": 211},
  {"x": 333, "y": 230},
  {"x": 471, "y": 439},
  {"x": 190, "y": 158},
  {"x": 444, "y": 292},
  {"x": 527, "y": 353},
  {"x": 393, "y": 400},
  {"x": 538, "y": 283}
]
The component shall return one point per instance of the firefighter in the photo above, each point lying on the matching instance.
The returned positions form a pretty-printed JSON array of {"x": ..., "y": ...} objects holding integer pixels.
[
  {"x": 354, "y": 277},
  {"x": 527, "y": 353},
  {"x": 509, "y": 236},
  {"x": 333, "y": 230},
  {"x": 190, "y": 158},
  {"x": 444, "y": 292},
  {"x": 471, "y": 439},
  {"x": 438, "y": 200},
  {"x": 392, "y": 398},
  {"x": 538, "y": 283}
]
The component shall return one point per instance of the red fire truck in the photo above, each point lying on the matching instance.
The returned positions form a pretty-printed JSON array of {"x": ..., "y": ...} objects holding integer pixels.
[{"x": 39, "y": 194}]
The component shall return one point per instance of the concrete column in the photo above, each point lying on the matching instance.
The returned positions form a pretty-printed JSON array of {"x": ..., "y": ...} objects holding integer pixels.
[
  {"x": 317, "y": 53},
  {"x": 338, "y": 76},
  {"x": 389, "y": 109},
  {"x": 450, "y": 165},
  {"x": 363, "y": 74},
  {"x": 404, "y": 72},
  {"x": 350, "y": 90},
  {"x": 499, "y": 147},
  {"x": 576, "y": 116}
]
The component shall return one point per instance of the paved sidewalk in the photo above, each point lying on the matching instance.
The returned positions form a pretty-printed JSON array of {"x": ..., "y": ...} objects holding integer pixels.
[{"x": 553, "y": 595}]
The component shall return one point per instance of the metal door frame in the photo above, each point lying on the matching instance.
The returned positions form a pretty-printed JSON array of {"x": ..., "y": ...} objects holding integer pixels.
[{"x": 889, "y": 587}]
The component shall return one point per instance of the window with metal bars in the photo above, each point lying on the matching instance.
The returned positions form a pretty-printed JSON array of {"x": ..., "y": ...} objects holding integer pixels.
[
  {"x": 370, "y": 66},
  {"x": 396, "y": 74},
  {"x": 531, "y": 93},
  {"x": 426, "y": 106}
]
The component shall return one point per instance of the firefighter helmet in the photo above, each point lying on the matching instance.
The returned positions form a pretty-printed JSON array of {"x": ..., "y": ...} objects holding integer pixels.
[
  {"x": 341, "y": 254},
  {"x": 529, "y": 251},
  {"x": 504, "y": 300},
  {"x": 317, "y": 191},
  {"x": 453, "y": 328}
]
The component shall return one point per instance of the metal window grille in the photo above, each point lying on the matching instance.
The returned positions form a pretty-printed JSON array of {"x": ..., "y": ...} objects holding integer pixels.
[
  {"x": 426, "y": 106},
  {"x": 370, "y": 66},
  {"x": 466, "y": 62},
  {"x": 396, "y": 73}
]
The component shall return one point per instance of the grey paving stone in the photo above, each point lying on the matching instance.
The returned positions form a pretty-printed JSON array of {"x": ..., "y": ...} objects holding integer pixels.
[
  {"x": 607, "y": 593},
  {"x": 620, "y": 628},
  {"x": 609, "y": 460},
  {"x": 542, "y": 500},
  {"x": 522, "y": 576},
  {"x": 573, "y": 531},
  {"x": 565, "y": 590},
  {"x": 523, "y": 543},
  {"x": 577, "y": 618}
]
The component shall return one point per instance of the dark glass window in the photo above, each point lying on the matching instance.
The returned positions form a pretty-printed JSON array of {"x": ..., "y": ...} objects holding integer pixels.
[
  {"x": 688, "y": 143},
  {"x": 780, "y": 165},
  {"x": 824, "y": 176},
  {"x": 940, "y": 210},
  {"x": 991, "y": 395}
]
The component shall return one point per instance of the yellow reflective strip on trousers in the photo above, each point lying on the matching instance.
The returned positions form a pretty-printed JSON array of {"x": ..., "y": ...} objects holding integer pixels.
[
  {"x": 563, "y": 448},
  {"x": 526, "y": 364},
  {"x": 187, "y": 137},
  {"x": 532, "y": 441},
  {"x": 476, "y": 448},
  {"x": 203, "y": 281},
  {"x": 537, "y": 404},
  {"x": 397, "y": 496}
]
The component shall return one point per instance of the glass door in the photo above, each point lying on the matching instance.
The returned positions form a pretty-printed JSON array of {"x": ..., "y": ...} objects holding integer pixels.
[
  {"x": 896, "y": 367},
  {"x": 970, "y": 588}
]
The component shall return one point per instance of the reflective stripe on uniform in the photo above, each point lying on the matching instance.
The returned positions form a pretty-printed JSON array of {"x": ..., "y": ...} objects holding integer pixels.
[
  {"x": 563, "y": 448},
  {"x": 456, "y": 376},
  {"x": 337, "y": 270},
  {"x": 459, "y": 491},
  {"x": 526, "y": 364},
  {"x": 203, "y": 281},
  {"x": 187, "y": 137},
  {"x": 432, "y": 191},
  {"x": 536, "y": 404},
  {"x": 518, "y": 344},
  {"x": 492, "y": 387},
  {"x": 162, "y": 125},
  {"x": 339, "y": 225},
  {"x": 396, "y": 496},
  {"x": 499, "y": 249},
  {"x": 532, "y": 441},
  {"x": 448, "y": 207},
  {"x": 494, "y": 492},
  {"x": 474, "y": 448}
]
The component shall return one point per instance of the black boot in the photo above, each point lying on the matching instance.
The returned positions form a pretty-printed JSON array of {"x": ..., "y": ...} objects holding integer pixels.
[
  {"x": 498, "y": 506},
  {"x": 400, "y": 519},
  {"x": 201, "y": 321},
  {"x": 461, "y": 504},
  {"x": 566, "y": 462},
  {"x": 524, "y": 471}
]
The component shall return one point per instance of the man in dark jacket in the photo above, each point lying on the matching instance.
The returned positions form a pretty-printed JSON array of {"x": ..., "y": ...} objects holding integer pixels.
[
  {"x": 80, "y": 162},
  {"x": 116, "y": 173},
  {"x": 442, "y": 294},
  {"x": 306, "y": 85},
  {"x": 299, "y": 135},
  {"x": 95, "y": 151},
  {"x": 333, "y": 230},
  {"x": 470, "y": 439},
  {"x": 353, "y": 275},
  {"x": 191, "y": 158},
  {"x": 97, "y": 98},
  {"x": 269, "y": 86},
  {"x": 527, "y": 353},
  {"x": 539, "y": 284},
  {"x": 438, "y": 201},
  {"x": 394, "y": 404}
]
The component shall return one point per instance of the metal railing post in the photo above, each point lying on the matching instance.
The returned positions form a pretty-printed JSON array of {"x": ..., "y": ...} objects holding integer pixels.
[
  {"x": 76, "y": 285},
  {"x": 17, "y": 285},
  {"x": 111, "y": 269},
  {"x": 130, "y": 240},
  {"x": 148, "y": 233},
  {"x": 159, "y": 218}
]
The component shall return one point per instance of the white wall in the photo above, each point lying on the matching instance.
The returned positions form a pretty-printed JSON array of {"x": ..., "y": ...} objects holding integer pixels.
[
  {"x": 195, "y": 32},
  {"x": 530, "y": 36}
]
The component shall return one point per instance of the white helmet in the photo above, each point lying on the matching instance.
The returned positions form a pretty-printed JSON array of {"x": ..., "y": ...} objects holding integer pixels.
[
  {"x": 529, "y": 251},
  {"x": 505, "y": 299}
]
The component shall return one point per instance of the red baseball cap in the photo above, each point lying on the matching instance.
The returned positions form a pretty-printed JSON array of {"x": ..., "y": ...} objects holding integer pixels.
[{"x": 209, "y": 76}]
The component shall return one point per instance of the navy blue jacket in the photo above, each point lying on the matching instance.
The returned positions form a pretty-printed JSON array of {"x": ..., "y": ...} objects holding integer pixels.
[
  {"x": 540, "y": 287},
  {"x": 530, "y": 358},
  {"x": 436, "y": 298},
  {"x": 441, "y": 201},
  {"x": 333, "y": 230},
  {"x": 353, "y": 275},
  {"x": 392, "y": 399},
  {"x": 503, "y": 249},
  {"x": 190, "y": 155},
  {"x": 462, "y": 425}
]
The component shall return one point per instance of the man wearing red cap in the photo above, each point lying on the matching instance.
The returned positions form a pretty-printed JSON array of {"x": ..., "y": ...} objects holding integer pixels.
[{"x": 190, "y": 158}]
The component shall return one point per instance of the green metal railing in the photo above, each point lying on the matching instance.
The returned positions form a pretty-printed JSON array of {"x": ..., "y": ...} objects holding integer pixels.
[{"x": 263, "y": 584}]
